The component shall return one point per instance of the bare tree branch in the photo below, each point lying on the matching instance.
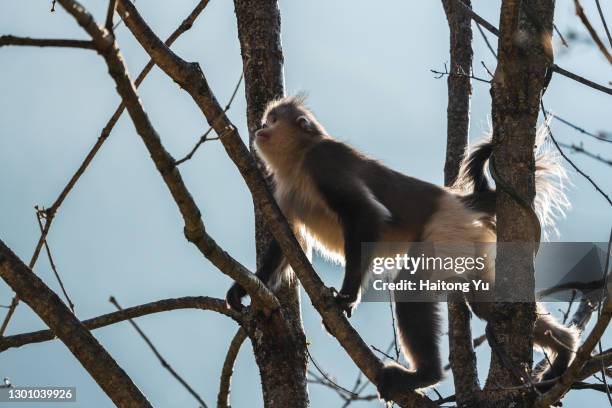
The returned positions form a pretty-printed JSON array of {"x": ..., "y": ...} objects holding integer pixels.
[
  {"x": 580, "y": 79},
  {"x": 580, "y": 13},
  {"x": 39, "y": 214},
  {"x": 161, "y": 358},
  {"x": 49, "y": 307},
  {"x": 459, "y": 88},
  {"x": 112, "y": 4},
  {"x": 223, "y": 397},
  {"x": 189, "y": 302},
  {"x": 7, "y": 40}
]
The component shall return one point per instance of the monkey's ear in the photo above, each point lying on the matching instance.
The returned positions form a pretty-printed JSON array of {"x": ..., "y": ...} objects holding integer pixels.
[{"x": 304, "y": 123}]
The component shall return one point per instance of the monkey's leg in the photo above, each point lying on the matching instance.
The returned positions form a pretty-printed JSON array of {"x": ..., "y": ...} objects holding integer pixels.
[
  {"x": 559, "y": 341},
  {"x": 358, "y": 257},
  {"x": 418, "y": 324}
]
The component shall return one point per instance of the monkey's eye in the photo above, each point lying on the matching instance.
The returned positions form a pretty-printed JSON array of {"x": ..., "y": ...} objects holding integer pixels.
[{"x": 272, "y": 119}]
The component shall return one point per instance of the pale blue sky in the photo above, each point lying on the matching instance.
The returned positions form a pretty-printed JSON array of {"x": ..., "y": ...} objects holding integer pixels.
[{"x": 366, "y": 69}]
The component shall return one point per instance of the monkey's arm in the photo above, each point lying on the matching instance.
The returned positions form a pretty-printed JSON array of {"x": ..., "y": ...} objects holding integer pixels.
[
  {"x": 272, "y": 261},
  {"x": 361, "y": 216}
]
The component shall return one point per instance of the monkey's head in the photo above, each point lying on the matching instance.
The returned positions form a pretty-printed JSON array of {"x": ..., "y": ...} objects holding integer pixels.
[{"x": 287, "y": 130}]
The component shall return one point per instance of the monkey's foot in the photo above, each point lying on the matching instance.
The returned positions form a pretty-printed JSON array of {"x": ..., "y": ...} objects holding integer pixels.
[
  {"x": 394, "y": 379},
  {"x": 346, "y": 302},
  {"x": 234, "y": 296}
]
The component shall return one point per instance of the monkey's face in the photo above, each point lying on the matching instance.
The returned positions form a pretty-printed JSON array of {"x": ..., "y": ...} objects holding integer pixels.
[{"x": 283, "y": 136}]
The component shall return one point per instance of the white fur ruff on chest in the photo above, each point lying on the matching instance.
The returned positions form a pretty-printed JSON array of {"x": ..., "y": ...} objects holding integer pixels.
[{"x": 305, "y": 208}]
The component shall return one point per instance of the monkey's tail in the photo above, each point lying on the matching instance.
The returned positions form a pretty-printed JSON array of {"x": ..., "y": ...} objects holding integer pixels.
[{"x": 551, "y": 181}]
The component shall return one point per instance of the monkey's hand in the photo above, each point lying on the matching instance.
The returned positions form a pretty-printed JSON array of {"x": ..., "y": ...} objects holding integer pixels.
[
  {"x": 234, "y": 296},
  {"x": 347, "y": 302}
]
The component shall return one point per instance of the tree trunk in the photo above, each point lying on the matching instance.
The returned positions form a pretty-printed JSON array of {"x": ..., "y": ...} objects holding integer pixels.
[
  {"x": 459, "y": 87},
  {"x": 462, "y": 357},
  {"x": 280, "y": 349},
  {"x": 525, "y": 56}
]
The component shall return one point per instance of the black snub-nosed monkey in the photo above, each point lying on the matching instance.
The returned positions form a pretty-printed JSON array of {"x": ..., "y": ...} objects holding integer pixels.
[{"x": 336, "y": 199}]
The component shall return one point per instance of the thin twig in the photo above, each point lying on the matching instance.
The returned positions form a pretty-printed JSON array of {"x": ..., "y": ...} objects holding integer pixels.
[
  {"x": 204, "y": 137},
  {"x": 326, "y": 376},
  {"x": 487, "y": 69},
  {"x": 546, "y": 356},
  {"x": 386, "y": 354},
  {"x": 560, "y": 36},
  {"x": 603, "y": 21},
  {"x": 486, "y": 40},
  {"x": 39, "y": 215},
  {"x": 580, "y": 79},
  {"x": 580, "y": 13},
  {"x": 580, "y": 149},
  {"x": 360, "y": 387},
  {"x": 112, "y": 5},
  {"x": 582, "y": 173},
  {"x": 6, "y": 40},
  {"x": 569, "y": 306},
  {"x": 161, "y": 359},
  {"x": 458, "y": 73},
  {"x": 395, "y": 344},
  {"x": 348, "y": 399},
  {"x": 581, "y": 130}
]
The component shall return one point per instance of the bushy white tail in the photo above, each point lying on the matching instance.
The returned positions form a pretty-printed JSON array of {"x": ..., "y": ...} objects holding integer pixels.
[{"x": 551, "y": 181}]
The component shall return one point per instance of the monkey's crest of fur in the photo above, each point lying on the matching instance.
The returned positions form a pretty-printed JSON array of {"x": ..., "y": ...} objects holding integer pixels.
[
  {"x": 551, "y": 179},
  {"x": 294, "y": 106}
]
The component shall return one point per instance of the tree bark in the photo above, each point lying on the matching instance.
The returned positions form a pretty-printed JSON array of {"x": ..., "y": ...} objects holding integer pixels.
[
  {"x": 459, "y": 87},
  {"x": 524, "y": 61},
  {"x": 281, "y": 357}
]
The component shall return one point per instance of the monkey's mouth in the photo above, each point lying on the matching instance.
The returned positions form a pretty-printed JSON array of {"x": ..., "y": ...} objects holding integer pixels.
[{"x": 263, "y": 136}]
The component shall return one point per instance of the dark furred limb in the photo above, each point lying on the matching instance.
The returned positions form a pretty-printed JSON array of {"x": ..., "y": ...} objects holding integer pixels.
[
  {"x": 357, "y": 230},
  {"x": 272, "y": 261},
  {"x": 419, "y": 330}
]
